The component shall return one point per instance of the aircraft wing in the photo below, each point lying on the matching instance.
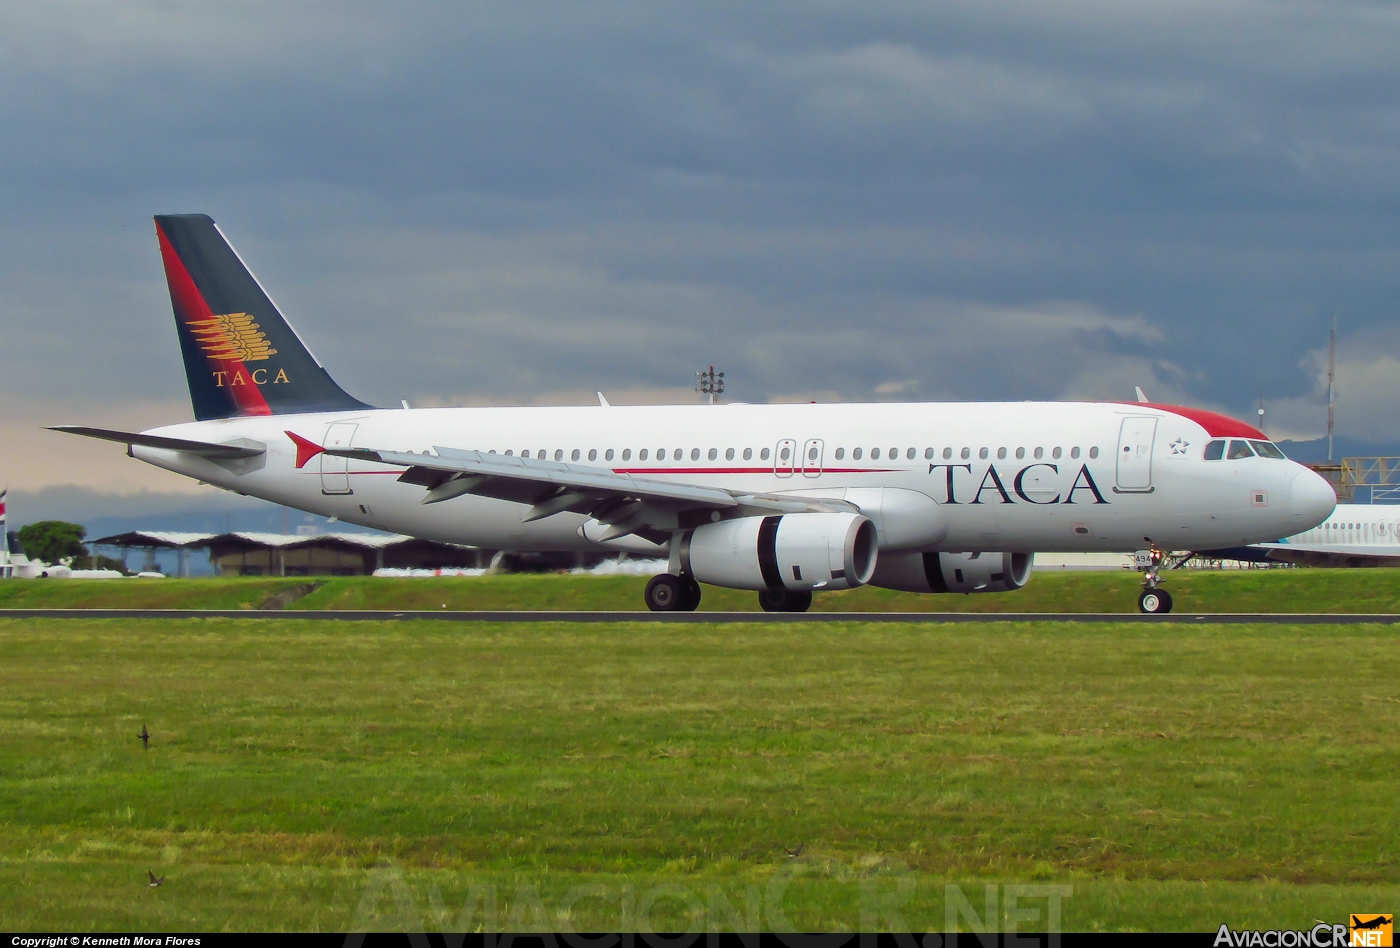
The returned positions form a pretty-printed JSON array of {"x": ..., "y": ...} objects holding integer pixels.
[
  {"x": 226, "y": 451},
  {"x": 1303, "y": 554},
  {"x": 625, "y": 504},
  {"x": 1331, "y": 555}
]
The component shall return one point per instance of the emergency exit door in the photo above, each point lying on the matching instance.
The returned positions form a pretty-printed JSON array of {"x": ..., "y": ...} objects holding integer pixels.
[
  {"x": 785, "y": 458},
  {"x": 335, "y": 478}
]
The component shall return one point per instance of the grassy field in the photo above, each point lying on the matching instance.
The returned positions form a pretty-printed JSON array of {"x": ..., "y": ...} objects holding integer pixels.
[
  {"x": 210, "y": 593},
  {"x": 323, "y": 775},
  {"x": 1275, "y": 590}
]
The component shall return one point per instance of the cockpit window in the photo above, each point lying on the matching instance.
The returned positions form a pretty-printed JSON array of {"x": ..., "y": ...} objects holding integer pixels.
[
  {"x": 1239, "y": 449},
  {"x": 1267, "y": 449},
  {"x": 1215, "y": 451}
]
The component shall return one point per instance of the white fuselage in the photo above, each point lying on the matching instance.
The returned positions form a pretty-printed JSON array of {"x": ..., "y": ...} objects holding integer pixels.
[
  {"x": 1362, "y": 529},
  {"x": 1023, "y": 476}
]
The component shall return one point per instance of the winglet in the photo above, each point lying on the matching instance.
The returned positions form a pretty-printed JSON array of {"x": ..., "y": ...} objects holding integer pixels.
[
  {"x": 1141, "y": 395},
  {"x": 603, "y": 402},
  {"x": 306, "y": 450}
]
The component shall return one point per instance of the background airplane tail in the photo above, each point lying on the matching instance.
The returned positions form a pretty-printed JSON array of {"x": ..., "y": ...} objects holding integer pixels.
[{"x": 241, "y": 356}]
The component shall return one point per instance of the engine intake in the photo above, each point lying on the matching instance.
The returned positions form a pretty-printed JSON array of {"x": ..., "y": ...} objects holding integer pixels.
[
  {"x": 954, "y": 572},
  {"x": 793, "y": 551}
]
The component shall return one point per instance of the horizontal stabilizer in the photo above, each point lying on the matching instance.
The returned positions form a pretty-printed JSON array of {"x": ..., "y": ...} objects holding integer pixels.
[{"x": 228, "y": 450}]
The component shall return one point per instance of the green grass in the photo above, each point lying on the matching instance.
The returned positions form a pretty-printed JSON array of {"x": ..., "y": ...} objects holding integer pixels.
[
  {"x": 133, "y": 593},
  {"x": 1173, "y": 777},
  {"x": 1273, "y": 590}
]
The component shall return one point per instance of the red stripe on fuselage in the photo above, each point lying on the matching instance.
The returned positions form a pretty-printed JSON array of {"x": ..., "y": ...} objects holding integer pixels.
[
  {"x": 312, "y": 449},
  {"x": 745, "y": 470},
  {"x": 190, "y": 306}
]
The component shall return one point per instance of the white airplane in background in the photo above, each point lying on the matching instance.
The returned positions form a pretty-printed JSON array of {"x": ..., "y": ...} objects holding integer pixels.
[
  {"x": 782, "y": 499},
  {"x": 1355, "y": 535}
]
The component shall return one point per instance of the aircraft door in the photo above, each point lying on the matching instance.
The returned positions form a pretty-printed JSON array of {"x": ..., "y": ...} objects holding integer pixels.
[
  {"x": 812, "y": 458},
  {"x": 334, "y": 476},
  {"x": 785, "y": 458},
  {"x": 1135, "y": 454}
]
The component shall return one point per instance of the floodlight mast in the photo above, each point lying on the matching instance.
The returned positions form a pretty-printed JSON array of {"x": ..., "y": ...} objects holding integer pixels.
[{"x": 710, "y": 383}]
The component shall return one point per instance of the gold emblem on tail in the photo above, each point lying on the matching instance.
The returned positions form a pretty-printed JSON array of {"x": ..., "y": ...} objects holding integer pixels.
[{"x": 232, "y": 337}]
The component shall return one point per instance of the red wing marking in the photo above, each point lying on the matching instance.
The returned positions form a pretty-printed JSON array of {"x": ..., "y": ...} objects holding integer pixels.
[{"x": 306, "y": 450}]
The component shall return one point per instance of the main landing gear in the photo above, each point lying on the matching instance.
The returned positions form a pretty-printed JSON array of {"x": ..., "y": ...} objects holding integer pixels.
[
  {"x": 785, "y": 600},
  {"x": 670, "y": 593},
  {"x": 1153, "y": 600}
]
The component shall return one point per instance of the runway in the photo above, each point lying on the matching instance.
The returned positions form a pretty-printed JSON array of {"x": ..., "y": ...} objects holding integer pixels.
[{"x": 348, "y": 615}]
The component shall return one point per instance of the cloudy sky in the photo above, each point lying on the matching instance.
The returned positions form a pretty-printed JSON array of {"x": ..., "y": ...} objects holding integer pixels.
[{"x": 525, "y": 202}]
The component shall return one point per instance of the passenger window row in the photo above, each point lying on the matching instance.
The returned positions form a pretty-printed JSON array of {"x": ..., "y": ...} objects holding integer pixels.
[
  {"x": 966, "y": 453},
  {"x": 1380, "y": 528},
  {"x": 1382, "y": 532},
  {"x": 644, "y": 454},
  {"x": 785, "y": 454}
]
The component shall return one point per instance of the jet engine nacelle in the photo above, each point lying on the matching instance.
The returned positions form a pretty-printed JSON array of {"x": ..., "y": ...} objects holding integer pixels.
[
  {"x": 800, "y": 551},
  {"x": 953, "y": 572}
]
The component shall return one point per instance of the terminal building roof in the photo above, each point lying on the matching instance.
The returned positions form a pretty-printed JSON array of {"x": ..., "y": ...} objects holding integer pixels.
[{"x": 169, "y": 540}]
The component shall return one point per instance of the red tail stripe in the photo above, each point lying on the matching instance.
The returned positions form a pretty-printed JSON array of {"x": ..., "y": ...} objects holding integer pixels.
[{"x": 190, "y": 305}]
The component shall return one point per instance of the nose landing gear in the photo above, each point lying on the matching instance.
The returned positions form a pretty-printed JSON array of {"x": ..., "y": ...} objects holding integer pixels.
[{"x": 1153, "y": 600}]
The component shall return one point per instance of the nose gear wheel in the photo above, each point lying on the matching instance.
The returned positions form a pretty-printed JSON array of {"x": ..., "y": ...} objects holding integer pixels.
[{"x": 1154, "y": 600}]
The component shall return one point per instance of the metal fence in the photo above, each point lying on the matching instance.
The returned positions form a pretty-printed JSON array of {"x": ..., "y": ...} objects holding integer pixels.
[{"x": 1364, "y": 480}]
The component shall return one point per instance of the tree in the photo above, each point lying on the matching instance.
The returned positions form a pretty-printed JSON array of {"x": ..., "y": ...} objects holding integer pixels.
[
  {"x": 99, "y": 561},
  {"x": 53, "y": 540}
]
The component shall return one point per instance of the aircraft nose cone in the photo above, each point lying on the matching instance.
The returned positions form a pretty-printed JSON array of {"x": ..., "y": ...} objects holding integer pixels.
[{"x": 1313, "y": 500}]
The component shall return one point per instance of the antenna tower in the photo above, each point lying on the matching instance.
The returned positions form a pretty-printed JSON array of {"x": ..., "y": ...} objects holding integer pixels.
[{"x": 1331, "y": 377}]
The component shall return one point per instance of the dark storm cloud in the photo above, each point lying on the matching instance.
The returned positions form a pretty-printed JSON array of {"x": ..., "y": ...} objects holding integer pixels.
[{"x": 869, "y": 200}]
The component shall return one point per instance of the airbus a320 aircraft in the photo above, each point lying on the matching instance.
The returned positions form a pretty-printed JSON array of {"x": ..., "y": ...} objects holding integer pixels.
[
  {"x": 783, "y": 499},
  {"x": 1356, "y": 535}
]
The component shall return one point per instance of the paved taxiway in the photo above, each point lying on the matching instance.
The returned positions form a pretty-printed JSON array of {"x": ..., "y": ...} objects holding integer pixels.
[{"x": 1234, "y": 618}]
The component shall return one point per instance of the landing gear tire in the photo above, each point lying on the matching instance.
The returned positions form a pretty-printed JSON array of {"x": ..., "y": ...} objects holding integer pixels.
[
  {"x": 1155, "y": 602},
  {"x": 784, "y": 600},
  {"x": 690, "y": 594},
  {"x": 665, "y": 593},
  {"x": 668, "y": 593}
]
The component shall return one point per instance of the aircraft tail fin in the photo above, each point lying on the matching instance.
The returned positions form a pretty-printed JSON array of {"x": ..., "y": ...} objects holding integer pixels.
[{"x": 241, "y": 356}]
